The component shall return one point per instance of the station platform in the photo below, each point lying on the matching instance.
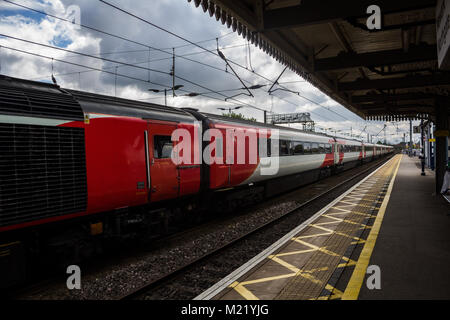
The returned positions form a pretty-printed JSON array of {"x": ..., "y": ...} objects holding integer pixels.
[{"x": 327, "y": 256}]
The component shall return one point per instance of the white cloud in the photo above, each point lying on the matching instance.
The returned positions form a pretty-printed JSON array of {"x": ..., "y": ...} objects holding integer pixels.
[{"x": 180, "y": 17}]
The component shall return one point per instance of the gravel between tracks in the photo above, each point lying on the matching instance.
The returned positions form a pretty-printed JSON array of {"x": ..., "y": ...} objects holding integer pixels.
[{"x": 133, "y": 272}]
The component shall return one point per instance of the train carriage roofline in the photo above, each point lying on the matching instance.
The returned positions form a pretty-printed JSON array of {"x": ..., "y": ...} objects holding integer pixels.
[
  {"x": 97, "y": 103},
  {"x": 232, "y": 121}
]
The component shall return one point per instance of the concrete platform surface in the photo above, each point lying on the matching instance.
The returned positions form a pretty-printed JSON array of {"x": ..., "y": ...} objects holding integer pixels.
[{"x": 413, "y": 245}]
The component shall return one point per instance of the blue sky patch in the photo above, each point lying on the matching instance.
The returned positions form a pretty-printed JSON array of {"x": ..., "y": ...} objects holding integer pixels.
[
  {"x": 61, "y": 41},
  {"x": 37, "y": 17}
]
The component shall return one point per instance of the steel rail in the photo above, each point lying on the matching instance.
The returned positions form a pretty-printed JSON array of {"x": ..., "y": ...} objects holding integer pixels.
[{"x": 170, "y": 275}]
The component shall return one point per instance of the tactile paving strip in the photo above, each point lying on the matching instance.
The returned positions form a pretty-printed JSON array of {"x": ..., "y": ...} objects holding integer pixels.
[{"x": 310, "y": 264}]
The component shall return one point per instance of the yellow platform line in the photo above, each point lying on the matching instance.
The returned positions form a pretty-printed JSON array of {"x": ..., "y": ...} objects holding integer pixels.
[
  {"x": 312, "y": 235},
  {"x": 240, "y": 288},
  {"x": 354, "y": 285},
  {"x": 281, "y": 276},
  {"x": 285, "y": 264},
  {"x": 321, "y": 249},
  {"x": 9, "y": 244},
  {"x": 244, "y": 292},
  {"x": 292, "y": 253}
]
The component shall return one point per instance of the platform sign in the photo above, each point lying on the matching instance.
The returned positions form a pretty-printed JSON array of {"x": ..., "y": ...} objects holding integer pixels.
[
  {"x": 416, "y": 129},
  {"x": 442, "y": 33}
]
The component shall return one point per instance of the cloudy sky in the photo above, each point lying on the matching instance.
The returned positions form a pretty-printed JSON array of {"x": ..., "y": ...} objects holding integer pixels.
[{"x": 148, "y": 47}]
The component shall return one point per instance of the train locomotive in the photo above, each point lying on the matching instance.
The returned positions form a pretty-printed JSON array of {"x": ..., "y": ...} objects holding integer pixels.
[{"x": 77, "y": 167}]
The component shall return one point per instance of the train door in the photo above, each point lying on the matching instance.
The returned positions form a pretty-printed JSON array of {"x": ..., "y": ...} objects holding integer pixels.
[
  {"x": 336, "y": 153},
  {"x": 163, "y": 171},
  {"x": 339, "y": 154}
]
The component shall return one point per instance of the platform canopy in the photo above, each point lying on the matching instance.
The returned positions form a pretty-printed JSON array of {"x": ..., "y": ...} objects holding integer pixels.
[{"x": 387, "y": 74}]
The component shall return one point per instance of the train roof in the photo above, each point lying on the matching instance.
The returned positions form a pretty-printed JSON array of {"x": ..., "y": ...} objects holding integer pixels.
[
  {"x": 92, "y": 102},
  {"x": 229, "y": 120},
  {"x": 226, "y": 119},
  {"x": 40, "y": 99},
  {"x": 49, "y": 100}
]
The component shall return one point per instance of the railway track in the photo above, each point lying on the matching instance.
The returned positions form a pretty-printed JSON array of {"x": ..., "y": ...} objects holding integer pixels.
[{"x": 160, "y": 281}]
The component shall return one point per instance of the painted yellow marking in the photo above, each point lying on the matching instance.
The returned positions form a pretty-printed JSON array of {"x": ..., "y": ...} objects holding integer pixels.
[
  {"x": 243, "y": 291},
  {"x": 343, "y": 221},
  {"x": 322, "y": 228},
  {"x": 285, "y": 264},
  {"x": 346, "y": 235},
  {"x": 343, "y": 210},
  {"x": 354, "y": 285},
  {"x": 9, "y": 244},
  {"x": 335, "y": 293},
  {"x": 331, "y": 217},
  {"x": 321, "y": 249},
  {"x": 347, "y": 264},
  {"x": 330, "y": 288},
  {"x": 341, "y": 265},
  {"x": 292, "y": 253},
  {"x": 282, "y": 276},
  {"x": 326, "y": 223},
  {"x": 359, "y": 241},
  {"x": 5, "y": 253},
  {"x": 343, "y": 207}
]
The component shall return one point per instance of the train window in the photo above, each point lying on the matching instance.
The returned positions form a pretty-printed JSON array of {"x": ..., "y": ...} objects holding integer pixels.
[
  {"x": 328, "y": 148},
  {"x": 284, "y": 147},
  {"x": 321, "y": 148},
  {"x": 162, "y": 147},
  {"x": 297, "y": 147},
  {"x": 314, "y": 148},
  {"x": 264, "y": 146},
  {"x": 306, "y": 147}
]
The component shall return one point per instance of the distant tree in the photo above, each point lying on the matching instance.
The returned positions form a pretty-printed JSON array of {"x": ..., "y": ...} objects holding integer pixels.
[{"x": 238, "y": 116}]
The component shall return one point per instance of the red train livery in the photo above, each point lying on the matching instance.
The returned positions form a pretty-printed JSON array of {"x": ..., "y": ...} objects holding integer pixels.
[{"x": 99, "y": 165}]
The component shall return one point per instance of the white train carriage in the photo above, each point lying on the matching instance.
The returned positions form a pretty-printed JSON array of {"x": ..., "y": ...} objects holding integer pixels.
[
  {"x": 349, "y": 153},
  {"x": 299, "y": 152}
]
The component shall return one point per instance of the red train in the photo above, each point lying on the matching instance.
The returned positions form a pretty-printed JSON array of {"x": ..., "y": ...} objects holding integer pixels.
[{"x": 76, "y": 165}]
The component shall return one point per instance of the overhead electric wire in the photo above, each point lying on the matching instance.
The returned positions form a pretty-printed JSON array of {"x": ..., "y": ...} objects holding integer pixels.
[
  {"x": 160, "y": 59},
  {"x": 79, "y": 65},
  {"x": 212, "y": 52},
  {"x": 128, "y": 65},
  {"x": 108, "y": 72},
  {"x": 112, "y": 73},
  {"x": 109, "y": 34},
  {"x": 139, "y": 43},
  {"x": 146, "y": 61},
  {"x": 162, "y": 50}
]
